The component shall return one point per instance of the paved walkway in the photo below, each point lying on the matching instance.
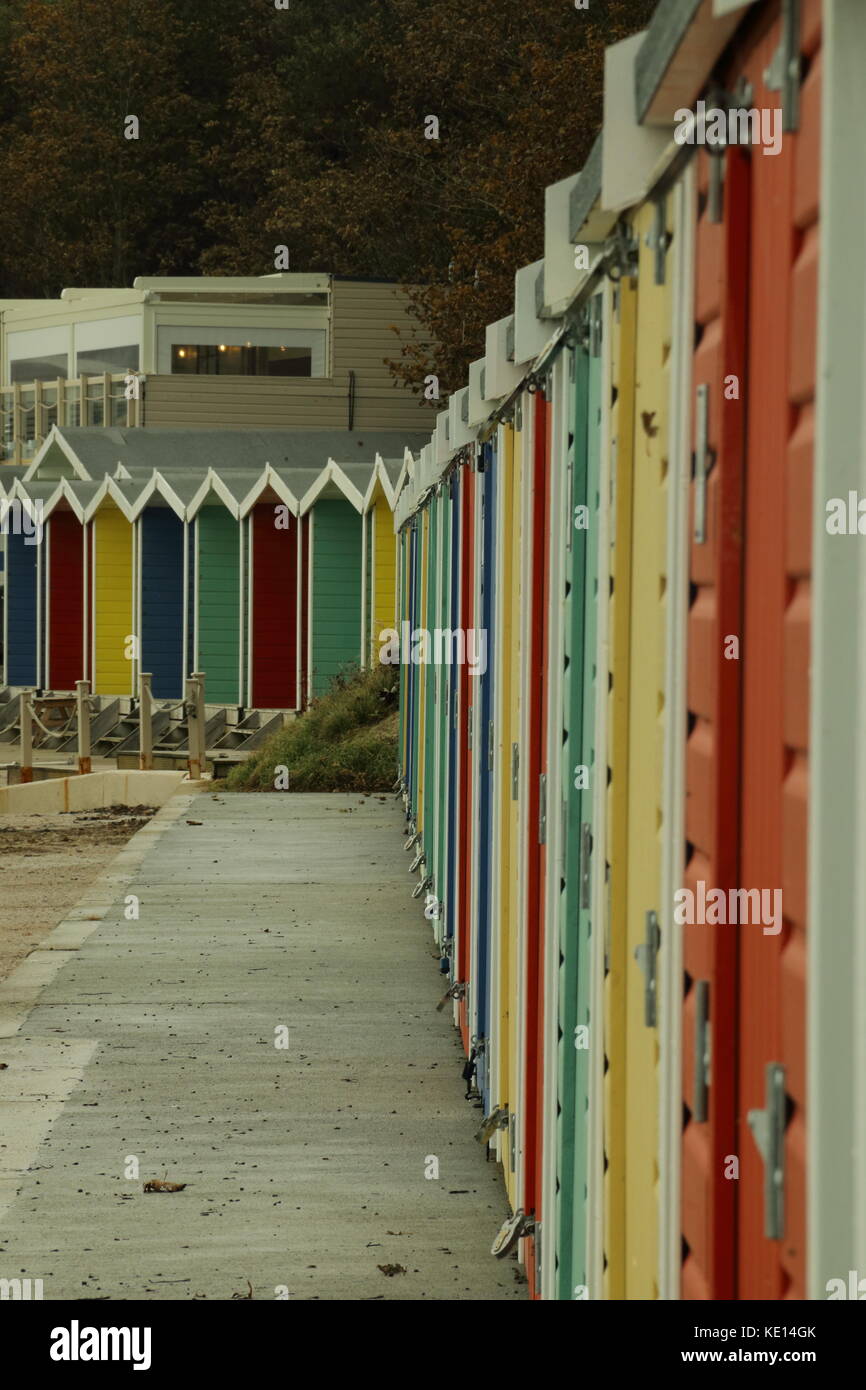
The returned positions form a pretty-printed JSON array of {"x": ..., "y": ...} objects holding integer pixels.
[{"x": 153, "y": 1041}]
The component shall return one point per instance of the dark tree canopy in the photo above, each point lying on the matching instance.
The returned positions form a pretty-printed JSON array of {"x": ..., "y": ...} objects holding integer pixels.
[{"x": 304, "y": 127}]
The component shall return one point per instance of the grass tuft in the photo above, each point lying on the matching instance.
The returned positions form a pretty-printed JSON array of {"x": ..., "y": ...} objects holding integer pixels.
[{"x": 345, "y": 742}]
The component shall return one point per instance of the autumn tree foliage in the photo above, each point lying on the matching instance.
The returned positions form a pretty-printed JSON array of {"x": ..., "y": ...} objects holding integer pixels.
[{"x": 305, "y": 127}]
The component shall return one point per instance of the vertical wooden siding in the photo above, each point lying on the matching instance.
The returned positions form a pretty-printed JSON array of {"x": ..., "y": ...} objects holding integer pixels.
[
  {"x": 113, "y": 540},
  {"x": 21, "y": 599},
  {"x": 336, "y": 599},
  {"x": 273, "y": 621},
  {"x": 162, "y": 601},
  {"x": 65, "y": 601},
  {"x": 218, "y": 597}
]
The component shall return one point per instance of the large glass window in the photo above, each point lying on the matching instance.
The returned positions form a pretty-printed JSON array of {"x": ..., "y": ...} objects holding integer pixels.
[
  {"x": 96, "y": 361},
  {"x": 38, "y": 368},
  {"x": 222, "y": 359}
]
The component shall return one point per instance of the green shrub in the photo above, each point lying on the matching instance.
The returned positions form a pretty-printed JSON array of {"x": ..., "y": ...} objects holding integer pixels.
[{"x": 345, "y": 741}]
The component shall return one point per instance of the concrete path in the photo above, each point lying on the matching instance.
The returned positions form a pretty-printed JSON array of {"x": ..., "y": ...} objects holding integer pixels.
[{"x": 150, "y": 1044}]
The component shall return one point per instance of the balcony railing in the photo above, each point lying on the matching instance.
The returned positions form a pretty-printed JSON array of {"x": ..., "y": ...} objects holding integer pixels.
[{"x": 29, "y": 409}]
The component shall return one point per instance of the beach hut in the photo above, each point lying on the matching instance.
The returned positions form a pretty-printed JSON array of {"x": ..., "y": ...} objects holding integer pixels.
[
  {"x": 113, "y": 553},
  {"x": 332, "y": 510},
  {"x": 219, "y": 588},
  {"x": 22, "y": 517},
  {"x": 273, "y": 561},
  {"x": 67, "y": 610},
  {"x": 163, "y": 581},
  {"x": 379, "y": 558}
]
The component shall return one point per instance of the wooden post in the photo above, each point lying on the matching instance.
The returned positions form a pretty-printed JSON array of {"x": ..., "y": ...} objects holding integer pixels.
[
  {"x": 195, "y": 725},
  {"x": 82, "y": 696},
  {"x": 26, "y": 724},
  {"x": 145, "y": 722}
]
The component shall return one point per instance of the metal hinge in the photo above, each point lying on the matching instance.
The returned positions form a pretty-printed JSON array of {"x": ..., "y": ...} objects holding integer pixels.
[
  {"x": 585, "y": 852},
  {"x": 702, "y": 461},
  {"x": 768, "y": 1128},
  {"x": 595, "y": 326},
  {"x": 702, "y": 1051},
  {"x": 515, "y": 771},
  {"x": 581, "y": 330},
  {"x": 491, "y": 745},
  {"x": 646, "y": 956},
  {"x": 518, "y": 415},
  {"x": 659, "y": 239},
  {"x": 783, "y": 74},
  {"x": 715, "y": 196},
  {"x": 542, "y": 809},
  {"x": 621, "y": 253}
]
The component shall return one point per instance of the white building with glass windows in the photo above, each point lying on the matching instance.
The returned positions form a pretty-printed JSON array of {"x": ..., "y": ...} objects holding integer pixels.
[{"x": 294, "y": 350}]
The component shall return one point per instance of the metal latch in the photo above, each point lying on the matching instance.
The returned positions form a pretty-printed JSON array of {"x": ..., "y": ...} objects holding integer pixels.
[
  {"x": 585, "y": 852},
  {"x": 508, "y": 1234},
  {"x": 768, "y": 1128},
  {"x": 646, "y": 956},
  {"x": 569, "y": 506},
  {"x": 515, "y": 771},
  {"x": 608, "y": 919},
  {"x": 702, "y": 462},
  {"x": 497, "y": 1119},
  {"x": 457, "y": 991},
  {"x": 542, "y": 809},
  {"x": 783, "y": 74},
  {"x": 422, "y": 886},
  {"x": 491, "y": 745},
  {"x": 702, "y": 1050}
]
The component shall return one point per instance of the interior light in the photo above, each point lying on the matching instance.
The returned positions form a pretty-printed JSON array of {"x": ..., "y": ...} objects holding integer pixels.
[
  {"x": 222, "y": 347},
  {"x": 181, "y": 352}
]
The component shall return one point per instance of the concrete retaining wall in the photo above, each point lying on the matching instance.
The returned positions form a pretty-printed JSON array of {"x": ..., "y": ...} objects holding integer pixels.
[{"x": 95, "y": 789}]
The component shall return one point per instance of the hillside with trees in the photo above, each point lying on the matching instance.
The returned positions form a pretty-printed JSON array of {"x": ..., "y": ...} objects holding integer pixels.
[{"x": 306, "y": 127}]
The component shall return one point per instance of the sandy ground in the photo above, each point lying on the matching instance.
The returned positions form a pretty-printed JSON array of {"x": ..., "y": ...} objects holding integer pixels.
[{"x": 46, "y": 864}]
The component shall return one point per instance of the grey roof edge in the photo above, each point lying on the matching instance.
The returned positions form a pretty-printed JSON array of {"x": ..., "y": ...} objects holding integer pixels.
[
  {"x": 665, "y": 33},
  {"x": 586, "y": 190}
]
